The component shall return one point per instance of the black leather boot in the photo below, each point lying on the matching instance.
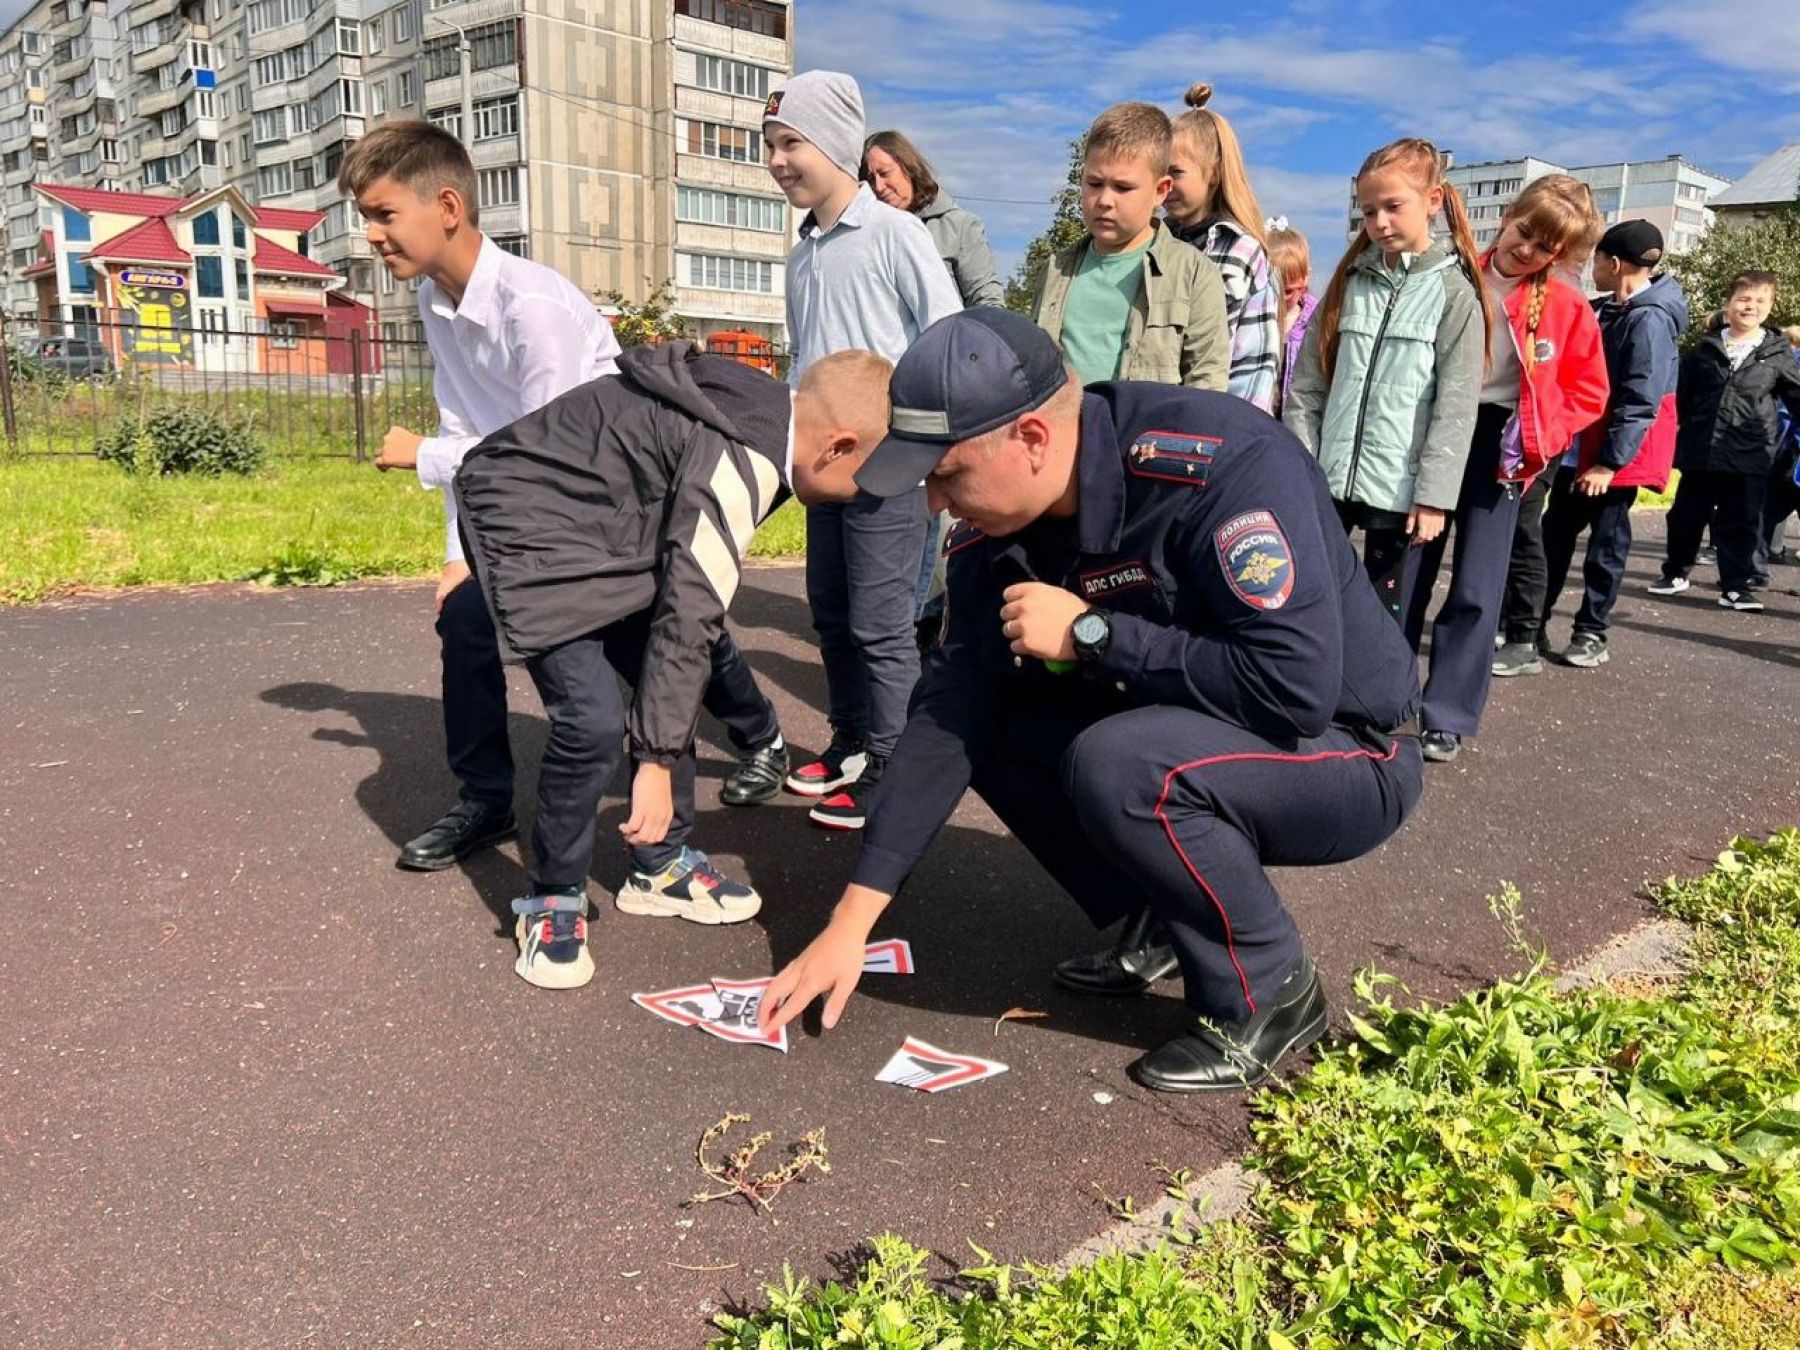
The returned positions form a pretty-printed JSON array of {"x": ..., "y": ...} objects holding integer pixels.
[
  {"x": 469, "y": 827},
  {"x": 1208, "y": 1057},
  {"x": 1138, "y": 959}
]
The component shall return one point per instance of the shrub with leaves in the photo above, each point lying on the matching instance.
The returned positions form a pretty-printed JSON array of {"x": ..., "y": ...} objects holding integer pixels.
[{"x": 175, "y": 439}]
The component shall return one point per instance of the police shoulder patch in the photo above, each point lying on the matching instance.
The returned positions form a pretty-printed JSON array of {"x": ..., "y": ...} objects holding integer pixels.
[
  {"x": 960, "y": 536},
  {"x": 1174, "y": 456},
  {"x": 1256, "y": 558}
]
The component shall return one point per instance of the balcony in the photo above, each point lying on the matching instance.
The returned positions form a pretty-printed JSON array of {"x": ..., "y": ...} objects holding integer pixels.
[
  {"x": 148, "y": 11},
  {"x": 76, "y": 145},
  {"x": 162, "y": 50},
  {"x": 157, "y": 103},
  {"x": 73, "y": 64},
  {"x": 73, "y": 105}
]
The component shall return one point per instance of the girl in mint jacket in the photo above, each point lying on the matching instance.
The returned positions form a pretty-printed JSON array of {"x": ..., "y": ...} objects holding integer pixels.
[{"x": 1389, "y": 377}]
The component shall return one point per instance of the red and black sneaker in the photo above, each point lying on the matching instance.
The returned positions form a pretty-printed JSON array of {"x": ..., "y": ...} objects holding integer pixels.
[
  {"x": 848, "y": 809},
  {"x": 841, "y": 764}
]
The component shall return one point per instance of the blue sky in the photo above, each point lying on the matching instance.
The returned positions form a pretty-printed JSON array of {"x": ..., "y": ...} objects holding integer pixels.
[{"x": 992, "y": 90}]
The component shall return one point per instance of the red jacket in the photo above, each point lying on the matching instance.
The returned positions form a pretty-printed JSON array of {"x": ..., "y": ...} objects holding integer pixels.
[{"x": 1565, "y": 389}]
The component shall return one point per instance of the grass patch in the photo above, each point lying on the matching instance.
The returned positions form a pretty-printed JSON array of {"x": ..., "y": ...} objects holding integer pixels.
[
  {"x": 73, "y": 522},
  {"x": 1519, "y": 1168}
]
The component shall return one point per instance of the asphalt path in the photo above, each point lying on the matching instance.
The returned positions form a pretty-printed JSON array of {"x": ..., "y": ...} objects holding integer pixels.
[{"x": 257, "y": 1087}]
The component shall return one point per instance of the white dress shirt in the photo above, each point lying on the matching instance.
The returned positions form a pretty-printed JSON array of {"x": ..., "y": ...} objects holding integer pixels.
[{"x": 522, "y": 335}]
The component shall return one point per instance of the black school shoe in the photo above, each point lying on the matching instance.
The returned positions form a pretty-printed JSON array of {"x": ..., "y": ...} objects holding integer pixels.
[
  {"x": 1140, "y": 957},
  {"x": 758, "y": 775},
  {"x": 1440, "y": 747},
  {"x": 467, "y": 828},
  {"x": 1209, "y": 1057}
]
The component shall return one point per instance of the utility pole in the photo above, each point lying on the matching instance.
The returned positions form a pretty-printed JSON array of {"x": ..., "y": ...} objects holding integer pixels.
[{"x": 465, "y": 53}]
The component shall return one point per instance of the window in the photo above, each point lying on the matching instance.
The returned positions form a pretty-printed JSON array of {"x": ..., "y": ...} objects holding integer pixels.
[
  {"x": 753, "y": 16},
  {"x": 80, "y": 279},
  {"x": 349, "y": 37},
  {"x": 77, "y": 228},
  {"x": 449, "y": 119},
  {"x": 513, "y": 244},
  {"x": 269, "y": 127},
  {"x": 403, "y": 89},
  {"x": 711, "y": 272},
  {"x": 243, "y": 279},
  {"x": 491, "y": 45},
  {"x": 239, "y": 235},
  {"x": 209, "y": 272},
  {"x": 709, "y": 207},
  {"x": 303, "y": 174},
  {"x": 378, "y": 98},
  {"x": 403, "y": 23},
  {"x": 274, "y": 180},
  {"x": 206, "y": 104},
  {"x": 497, "y": 187},
  {"x": 374, "y": 35},
  {"x": 206, "y": 230},
  {"x": 497, "y": 117},
  {"x": 716, "y": 140},
  {"x": 243, "y": 96},
  {"x": 733, "y": 77},
  {"x": 274, "y": 13},
  {"x": 1688, "y": 216},
  {"x": 284, "y": 334}
]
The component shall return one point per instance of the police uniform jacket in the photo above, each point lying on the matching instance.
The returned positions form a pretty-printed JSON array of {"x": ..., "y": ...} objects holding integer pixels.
[
  {"x": 1209, "y": 535},
  {"x": 635, "y": 492}
]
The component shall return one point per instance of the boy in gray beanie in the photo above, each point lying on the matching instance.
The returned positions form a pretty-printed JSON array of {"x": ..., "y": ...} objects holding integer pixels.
[{"x": 863, "y": 276}]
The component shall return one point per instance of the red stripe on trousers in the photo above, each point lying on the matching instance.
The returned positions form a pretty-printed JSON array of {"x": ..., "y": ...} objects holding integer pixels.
[{"x": 1187, "y": 862}]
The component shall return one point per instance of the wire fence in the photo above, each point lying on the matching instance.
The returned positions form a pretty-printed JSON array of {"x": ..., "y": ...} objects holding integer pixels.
[{"x": 301, "y": 391}]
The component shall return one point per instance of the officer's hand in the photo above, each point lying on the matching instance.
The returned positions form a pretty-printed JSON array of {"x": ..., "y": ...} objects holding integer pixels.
[
  {"x": 453, "y": 575},
  {"x": 1424, "y": 523},
  {"x": 1036, "y": 619},
  {"x": 1594, "y": 481},
  {"x": 652, "y": 805},
  {"x": 399, "y": 450},
  {"x": 831, "y": 964}
]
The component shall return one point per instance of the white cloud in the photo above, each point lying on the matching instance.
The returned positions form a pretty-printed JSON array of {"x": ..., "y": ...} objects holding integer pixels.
[{"x": 1758, "y": 36}]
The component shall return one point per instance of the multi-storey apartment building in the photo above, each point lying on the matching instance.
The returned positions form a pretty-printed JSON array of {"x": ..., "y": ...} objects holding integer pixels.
[
  {"x": 1670, "y": 193},
  {"x": 620, "y": 144}
]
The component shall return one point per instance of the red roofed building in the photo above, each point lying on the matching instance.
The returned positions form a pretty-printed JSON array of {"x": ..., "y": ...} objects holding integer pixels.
[{"x": 208, "y": 282}]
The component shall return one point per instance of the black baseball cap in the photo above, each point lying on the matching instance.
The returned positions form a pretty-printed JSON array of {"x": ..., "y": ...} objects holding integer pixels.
[
  {"x": 1637, "y": 242},
  {"x": 966, "y": 374}
]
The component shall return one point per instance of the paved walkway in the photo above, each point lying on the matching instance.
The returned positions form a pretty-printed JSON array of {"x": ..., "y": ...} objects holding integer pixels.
[{"x": 259, "y": 1088}]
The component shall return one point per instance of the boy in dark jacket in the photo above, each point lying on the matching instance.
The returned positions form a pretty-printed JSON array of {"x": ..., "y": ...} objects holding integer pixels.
[
  {"x": 1641, "y": 322},
  {"x": 1733, "y": 387},
  {"x": 607, "y": 531}
]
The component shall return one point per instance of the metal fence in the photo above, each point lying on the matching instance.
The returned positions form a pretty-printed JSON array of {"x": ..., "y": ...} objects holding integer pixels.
[{"x": 65, "y": 386}]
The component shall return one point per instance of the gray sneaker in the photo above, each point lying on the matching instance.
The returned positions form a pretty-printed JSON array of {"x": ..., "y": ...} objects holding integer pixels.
[
  {"x": 1586, "y": 650},
  {"x": 1517, "y": 658}
]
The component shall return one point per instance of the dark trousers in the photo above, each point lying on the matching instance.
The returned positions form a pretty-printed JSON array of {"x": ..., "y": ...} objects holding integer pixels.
[
  {"x": 862, "y": 574},
  {"x": 474, "y": 692},
  {"x": 1180, "y": 811},
  {"x": 1782, "y": 500},
  {"x": 1480, "y": 536},
  {"x": 1523, "y": 607},
  {"x": 1607, "y": 519},
  {"x": 1387, "y": 555},
  {"x": 1732, "y": 503},
  {"x": 579, "y": 685}
]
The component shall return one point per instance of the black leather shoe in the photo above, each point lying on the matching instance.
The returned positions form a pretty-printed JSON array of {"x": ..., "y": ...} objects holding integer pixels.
[
  {"x": 1141, "y": 956},
  {"x": 1208, "y": 1057},
  {"x": 469, "y": 827},
  {"x": 758, "y": 775}
]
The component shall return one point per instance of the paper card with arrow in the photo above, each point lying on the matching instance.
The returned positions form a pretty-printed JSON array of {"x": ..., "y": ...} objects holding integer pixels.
[{"x": 919, "y": 1064}]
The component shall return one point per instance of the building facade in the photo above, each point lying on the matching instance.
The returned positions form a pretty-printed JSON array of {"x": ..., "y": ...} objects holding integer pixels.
[
  {"x": 1670, "y": 193},
  {"x": 618, "y": 141}
]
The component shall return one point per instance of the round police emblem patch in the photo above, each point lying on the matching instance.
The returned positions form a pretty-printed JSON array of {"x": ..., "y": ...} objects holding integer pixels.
[{"x": 1256, "y": 558}]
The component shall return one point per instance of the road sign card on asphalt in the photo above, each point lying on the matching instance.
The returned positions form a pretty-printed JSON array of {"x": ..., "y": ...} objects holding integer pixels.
[
  {"x": 738, "y": 1002},
  {"x": 919, "y": 1064},
  {"x": 685, "y": 1007},
  {"x": 892, "y": 957}
]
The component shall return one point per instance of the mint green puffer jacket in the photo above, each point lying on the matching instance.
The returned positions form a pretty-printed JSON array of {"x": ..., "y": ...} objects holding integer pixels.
[{"x": 1393, "y": 427}]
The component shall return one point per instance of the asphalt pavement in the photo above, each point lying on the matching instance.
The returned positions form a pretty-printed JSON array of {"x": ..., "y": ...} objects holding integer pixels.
[{"x": 257, "y": 1087}]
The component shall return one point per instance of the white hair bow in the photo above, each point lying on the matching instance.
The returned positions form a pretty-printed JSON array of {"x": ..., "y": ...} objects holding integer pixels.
[{"x": 1275, "y": 223}]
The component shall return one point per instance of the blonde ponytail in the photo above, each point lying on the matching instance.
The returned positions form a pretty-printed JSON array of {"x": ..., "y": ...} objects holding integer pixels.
[{"x": 1222, "y": 159}]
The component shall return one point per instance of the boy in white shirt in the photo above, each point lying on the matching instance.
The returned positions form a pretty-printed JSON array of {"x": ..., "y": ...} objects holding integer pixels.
[{"x": 507, "y": 336}]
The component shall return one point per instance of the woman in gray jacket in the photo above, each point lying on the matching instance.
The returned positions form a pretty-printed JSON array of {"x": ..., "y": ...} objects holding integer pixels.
[{"x": 899, "y": 175}]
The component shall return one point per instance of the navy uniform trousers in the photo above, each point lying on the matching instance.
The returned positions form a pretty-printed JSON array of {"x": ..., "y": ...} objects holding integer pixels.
[
  {"x": 474, "y": 696},
  {"x": 1171, "y": 808},
  {"x": 1462, "y": 634}
]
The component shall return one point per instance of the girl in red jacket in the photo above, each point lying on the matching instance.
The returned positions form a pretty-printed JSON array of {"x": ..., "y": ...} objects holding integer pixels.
[{"x": 1546, "y": 381}]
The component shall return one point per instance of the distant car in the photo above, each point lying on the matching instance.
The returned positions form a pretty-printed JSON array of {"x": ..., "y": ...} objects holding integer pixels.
[{"x": 77, "y": 358}]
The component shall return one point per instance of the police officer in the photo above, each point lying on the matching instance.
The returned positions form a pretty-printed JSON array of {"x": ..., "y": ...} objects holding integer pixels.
[{"x": 1162, "y": 667}]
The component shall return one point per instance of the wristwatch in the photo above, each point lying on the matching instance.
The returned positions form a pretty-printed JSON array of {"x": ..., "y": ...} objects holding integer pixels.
[{"x": 1091, "y": 634}]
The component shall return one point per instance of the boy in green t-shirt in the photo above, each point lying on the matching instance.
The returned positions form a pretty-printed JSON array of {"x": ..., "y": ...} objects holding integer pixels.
[{"x": 1130, "y": 301}]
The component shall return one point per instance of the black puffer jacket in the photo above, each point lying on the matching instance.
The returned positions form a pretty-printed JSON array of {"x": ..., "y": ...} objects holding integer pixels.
[
  {"x": 1730, "y": 420},
  {"x": 637, "y": 491}
]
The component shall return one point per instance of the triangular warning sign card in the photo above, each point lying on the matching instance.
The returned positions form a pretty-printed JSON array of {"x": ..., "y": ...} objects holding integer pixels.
[
  {"x": 738, "y": 1003},
  {"x": 893, "y": 957},
  {"x": 919, "y": 1064},
  {"x": 687, "y": 1007}
]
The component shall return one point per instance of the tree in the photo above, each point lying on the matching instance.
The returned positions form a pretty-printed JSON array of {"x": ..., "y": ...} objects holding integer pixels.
[
  {"x": 652, "y": 321},
  {"x": 1770, "y": 245},
  {"x": 1064, "y": 229}
]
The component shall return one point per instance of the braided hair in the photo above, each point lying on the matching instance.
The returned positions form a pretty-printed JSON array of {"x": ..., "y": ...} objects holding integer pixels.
[{"x": 1557, "y": 213}]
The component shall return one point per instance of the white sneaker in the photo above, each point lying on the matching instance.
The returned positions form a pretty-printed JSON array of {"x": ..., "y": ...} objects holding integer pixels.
[
  {"x": 1745, "y": 602},
  {"x": 1669, "y": 586},
  {"x": 689, "y": 888}
]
